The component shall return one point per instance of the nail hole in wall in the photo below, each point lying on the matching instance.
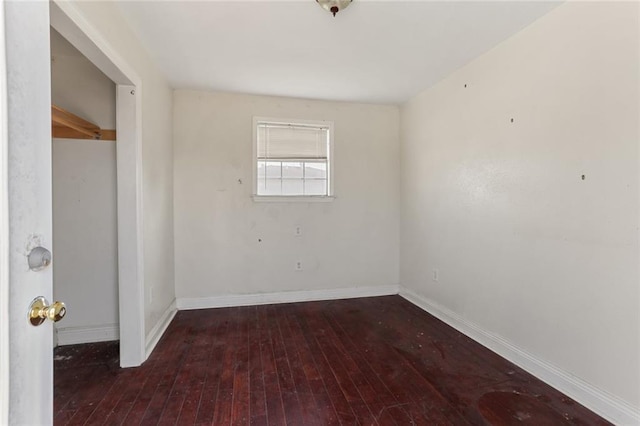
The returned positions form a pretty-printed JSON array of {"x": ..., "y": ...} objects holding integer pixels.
[
  {"x": 512, "y": 120},
  {"x": 583, "y": 177}
]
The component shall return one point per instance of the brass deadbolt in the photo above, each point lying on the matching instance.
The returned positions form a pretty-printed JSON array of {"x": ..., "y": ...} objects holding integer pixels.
[{"x": 40, "y": 310}]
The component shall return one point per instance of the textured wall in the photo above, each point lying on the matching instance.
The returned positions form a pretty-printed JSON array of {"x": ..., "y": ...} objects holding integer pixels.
[
  {"x": 350, "y": 242},
  {"x": 525, "y": 248}
]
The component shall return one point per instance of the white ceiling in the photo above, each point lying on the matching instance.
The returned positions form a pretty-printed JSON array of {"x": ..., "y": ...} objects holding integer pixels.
[{"x": 374, "y": 51}]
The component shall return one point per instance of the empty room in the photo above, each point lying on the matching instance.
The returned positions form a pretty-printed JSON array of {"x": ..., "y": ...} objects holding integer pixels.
[{"x": 320, "y": 212}]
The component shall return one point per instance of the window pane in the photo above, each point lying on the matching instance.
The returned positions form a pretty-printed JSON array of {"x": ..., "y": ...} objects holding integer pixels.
[
  {"x": 260, "y": 186},
  {"x": 272, "y": 187},
  {"x": 292, "y": 170},
  {"x": 315, "y": 170},
  {"x": 274, "y": 169},
  {"x": 262, "y": 166},
  {"x": 292, "y": 158},
  {"x": 315, "y": 187},
  {"x": 292, "y": 187}
]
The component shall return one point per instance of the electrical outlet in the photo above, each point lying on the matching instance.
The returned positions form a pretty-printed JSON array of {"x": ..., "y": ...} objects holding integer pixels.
[
  {"x": 298, "y": 266},
  {"x": 298, "y": 231},
  {"x": 436, "y": 275}
]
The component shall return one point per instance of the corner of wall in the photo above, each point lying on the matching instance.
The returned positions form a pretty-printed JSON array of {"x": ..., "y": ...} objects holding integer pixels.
[
  {"x": 600, "y": 401},
  {"x": 158, "y": 330}
]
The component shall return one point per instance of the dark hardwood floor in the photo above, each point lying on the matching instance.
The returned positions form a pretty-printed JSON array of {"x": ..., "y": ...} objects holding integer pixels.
[{"x": 370, "y": 361}]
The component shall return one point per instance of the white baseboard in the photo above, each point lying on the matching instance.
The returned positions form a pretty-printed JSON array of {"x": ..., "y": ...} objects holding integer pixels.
[
  {"x": 91, "y": 334},
  {"x": 601, "y": 402},
  {"x": 284, "y": 297},
  {"x": 158, "y": 330}
]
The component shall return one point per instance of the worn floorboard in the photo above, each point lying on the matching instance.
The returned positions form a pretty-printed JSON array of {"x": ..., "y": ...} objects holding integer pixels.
[{"x": 369, "y": 361}]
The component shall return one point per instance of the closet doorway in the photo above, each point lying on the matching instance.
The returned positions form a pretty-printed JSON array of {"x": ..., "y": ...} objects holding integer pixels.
[
  {"x": 85, "y": 222},
  {"x": 129, "y": 327}
]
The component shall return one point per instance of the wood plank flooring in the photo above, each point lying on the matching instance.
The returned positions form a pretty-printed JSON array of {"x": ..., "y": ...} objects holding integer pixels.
[{"x": 370, "y": 361}]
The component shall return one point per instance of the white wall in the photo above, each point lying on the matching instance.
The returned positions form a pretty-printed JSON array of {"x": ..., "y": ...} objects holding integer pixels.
[
  {"x": 526, "y": 249},
  {"x": 350, "y": 242},
  {"x": 85, "y": 241},
  {"x": 4, "y": 231},
  {"x": 157, "y": 156},
  {"x": 85, "y": 271},
  {"x": 79, "y": 86}
]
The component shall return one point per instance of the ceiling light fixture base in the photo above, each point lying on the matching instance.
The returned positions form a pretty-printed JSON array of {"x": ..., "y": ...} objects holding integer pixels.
[{"x": 334, "y": 6}]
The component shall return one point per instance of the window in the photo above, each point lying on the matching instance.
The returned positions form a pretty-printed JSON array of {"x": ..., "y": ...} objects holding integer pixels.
[{"x": 292, "y": 158}]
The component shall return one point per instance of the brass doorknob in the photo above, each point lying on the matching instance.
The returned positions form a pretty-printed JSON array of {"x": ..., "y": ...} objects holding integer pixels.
[{"x": 40, "y": 310}]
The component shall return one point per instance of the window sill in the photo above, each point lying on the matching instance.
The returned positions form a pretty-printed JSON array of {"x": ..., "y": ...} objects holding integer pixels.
[{"x": 293, "y": 198}]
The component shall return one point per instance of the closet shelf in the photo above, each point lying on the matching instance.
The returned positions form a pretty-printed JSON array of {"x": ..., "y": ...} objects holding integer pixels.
[{"x": 69, "y": 126}]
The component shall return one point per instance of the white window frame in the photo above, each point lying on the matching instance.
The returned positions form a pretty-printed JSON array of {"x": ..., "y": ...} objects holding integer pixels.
[{"x": 294, "y": 198}]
